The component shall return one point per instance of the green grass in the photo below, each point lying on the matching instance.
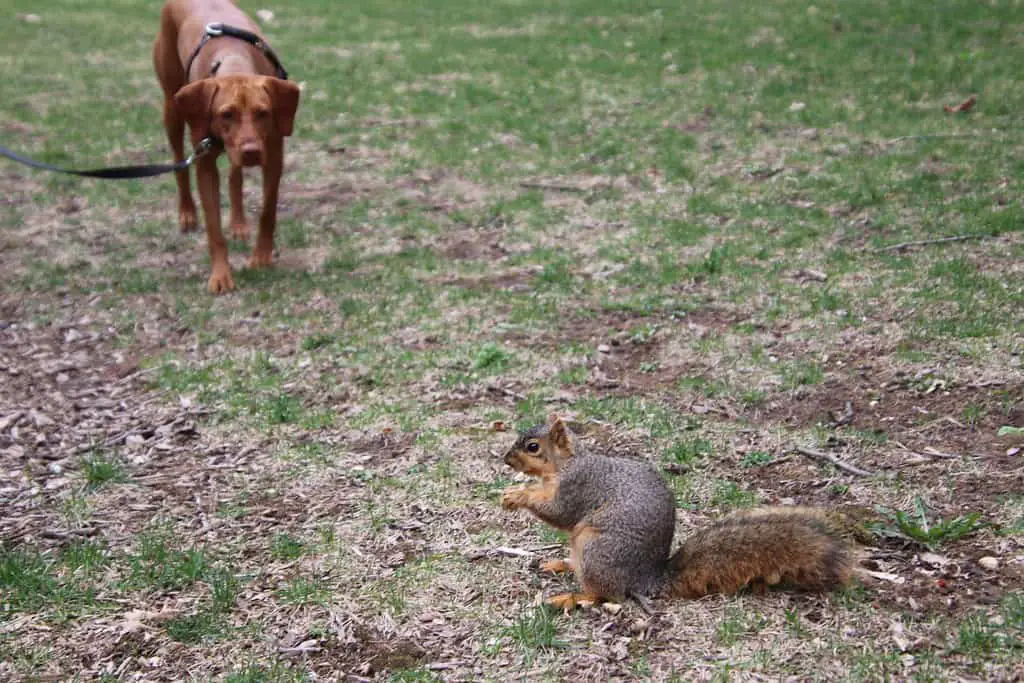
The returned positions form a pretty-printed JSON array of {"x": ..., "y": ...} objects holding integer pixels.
[
  {"x": 477, "y": 197},
  {"x": 100, "y": 469},
  {"x": 535, "y": 631},
  {"x": 159, "y": 563}
]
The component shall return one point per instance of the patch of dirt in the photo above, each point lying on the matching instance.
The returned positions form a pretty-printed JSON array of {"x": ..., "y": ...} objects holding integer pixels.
[{"x": 918, "y": 412}]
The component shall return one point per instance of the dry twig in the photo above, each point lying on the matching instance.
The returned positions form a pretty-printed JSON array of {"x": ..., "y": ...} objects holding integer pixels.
[
  {"x": 921, "y": 243},
  {"x": 832, "y": 460}
]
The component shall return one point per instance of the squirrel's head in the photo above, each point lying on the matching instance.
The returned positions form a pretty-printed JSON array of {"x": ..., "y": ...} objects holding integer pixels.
[{"x": 542, "y": 450}]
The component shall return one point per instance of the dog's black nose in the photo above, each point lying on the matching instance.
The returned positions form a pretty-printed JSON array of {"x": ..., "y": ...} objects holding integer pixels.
[{"x": 251, "y": 157}]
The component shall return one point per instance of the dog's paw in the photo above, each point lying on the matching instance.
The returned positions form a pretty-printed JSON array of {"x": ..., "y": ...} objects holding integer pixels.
[
  {"x": 220, "y": 282},
  {"x": 261, "y": 258},
  {"x": 240, "y": 230},
  {"x": 187, "y": 220}
]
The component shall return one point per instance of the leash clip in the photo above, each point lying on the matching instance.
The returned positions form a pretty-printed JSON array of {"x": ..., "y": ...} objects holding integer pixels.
[
  {"x": 205, "y": 146},
  {"x": 215, "y": 29}
]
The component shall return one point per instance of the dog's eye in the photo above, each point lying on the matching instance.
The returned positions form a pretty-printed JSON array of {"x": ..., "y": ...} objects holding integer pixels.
[
  {"x": 261, "y": 114},
  {"x": 533, "y": 447},
  {"x": 227, "y": 115}
]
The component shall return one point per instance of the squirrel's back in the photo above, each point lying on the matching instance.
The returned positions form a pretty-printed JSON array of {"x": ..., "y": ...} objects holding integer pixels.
[
  {"x": 633, "y": 488},
  {"x": 803, "y": 547}
]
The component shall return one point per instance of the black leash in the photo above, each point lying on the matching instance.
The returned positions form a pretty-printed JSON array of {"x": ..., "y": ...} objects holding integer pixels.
[
  {"x": 217, "y": 29},
  {"x": 207, "y": 144}
]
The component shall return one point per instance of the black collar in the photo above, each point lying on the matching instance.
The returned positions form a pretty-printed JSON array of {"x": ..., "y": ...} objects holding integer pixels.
[{"x": 217, "y": 29}]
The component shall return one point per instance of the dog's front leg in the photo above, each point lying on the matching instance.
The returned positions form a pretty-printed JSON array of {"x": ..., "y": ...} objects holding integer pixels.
[
  {"x": 208, "y": 181},
  {"x": 239, "y": 226},
  {"x": 263, "y": 253}
]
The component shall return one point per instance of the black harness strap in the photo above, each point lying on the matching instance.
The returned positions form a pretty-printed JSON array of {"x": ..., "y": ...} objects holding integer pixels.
[
  {"x": 121, "y": 172},
  {"x": 217, "y": 29}
]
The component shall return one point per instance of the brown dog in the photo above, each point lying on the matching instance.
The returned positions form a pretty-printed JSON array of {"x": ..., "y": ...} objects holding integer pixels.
[{"x": 228, "y": 85}]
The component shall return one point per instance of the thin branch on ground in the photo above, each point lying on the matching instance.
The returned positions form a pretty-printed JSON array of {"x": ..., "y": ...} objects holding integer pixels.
[
  {"x": 555, "y": 187},
  {"x": 832, "y": 460},
  {"x": 946, "y": 136},
  {"x": 922, "y": 243}
]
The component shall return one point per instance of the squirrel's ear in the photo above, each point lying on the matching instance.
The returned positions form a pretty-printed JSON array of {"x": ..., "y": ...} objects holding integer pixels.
[{"x": 560, "y": 437}]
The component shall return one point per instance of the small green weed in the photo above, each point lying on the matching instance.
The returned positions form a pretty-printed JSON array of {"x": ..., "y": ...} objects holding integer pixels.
[
  {"x": 414, "y": 675},
  {"x": 973, "y": 413},
  {"x": 204, "y": 625},
  {"x": 729, "y": 494},
  {"x": 27, "y": 578},
  {"x": 756, "y": 459},
  {"x": 317, "y": 341},
  {"x": 303, "y": 591},
  {"x": 209, "y": 622},
  {"x": 278, "y": 672},
  {"x": 157, "y": 564},
  {"x": 535, "y": 630},
  {"x": 85, "y": 557},
  {"x": 930, "y": 534},
  {"x": 801, "y": 373},
  {"x": 100, "y": 470},
  {"x": 286, "y": 547},
  {"x": 686, "y": 451},
  {"x": 492, "y": 359},
  {"x": 731, "y": 626},
  {"x": 576, "y": 374},
  {"x": 282, "y": 409}
]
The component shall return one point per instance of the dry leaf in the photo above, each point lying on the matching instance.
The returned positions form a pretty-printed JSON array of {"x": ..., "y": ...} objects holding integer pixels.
[
  {"x": 964, "y": 106},
  {"x": 885, "y": 576}
]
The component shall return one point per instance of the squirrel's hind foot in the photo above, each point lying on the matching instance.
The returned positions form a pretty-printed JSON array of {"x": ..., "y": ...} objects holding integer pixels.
[{"x": 569, "y": 601}]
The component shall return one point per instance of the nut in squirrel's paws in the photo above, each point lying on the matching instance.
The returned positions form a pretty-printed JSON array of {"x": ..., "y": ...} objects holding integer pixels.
[{"x": 514, "y": 497}]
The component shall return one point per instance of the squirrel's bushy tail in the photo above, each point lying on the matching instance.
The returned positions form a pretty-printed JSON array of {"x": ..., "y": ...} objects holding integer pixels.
[{"x": 801, "y": 547}]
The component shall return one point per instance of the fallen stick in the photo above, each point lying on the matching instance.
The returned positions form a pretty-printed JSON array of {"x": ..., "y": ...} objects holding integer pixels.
[
  {"x": 952, "y": 136},
  {"x": 931, "y": 452},
  {"x": 533, "y": 185},
  {"x": 922, "y": 243},
  {"x": 831, "y": 459},
  {"x": 500, "y": 550}
]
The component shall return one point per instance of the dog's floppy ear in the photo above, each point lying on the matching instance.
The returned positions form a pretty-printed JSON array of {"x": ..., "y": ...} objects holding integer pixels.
[
  {"x": 285, "y": 96},
  {"x": 195, "y": 102}
]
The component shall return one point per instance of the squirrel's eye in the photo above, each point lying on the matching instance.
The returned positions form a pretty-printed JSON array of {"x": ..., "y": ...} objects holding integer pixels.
[{"x": 533, "y": 447}]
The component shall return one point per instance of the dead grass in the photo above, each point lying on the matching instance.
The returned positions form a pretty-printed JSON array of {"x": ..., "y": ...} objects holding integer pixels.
[{"x": 300, "y": 481}]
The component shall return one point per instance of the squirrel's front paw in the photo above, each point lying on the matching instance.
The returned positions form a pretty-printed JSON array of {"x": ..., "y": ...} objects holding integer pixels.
[{"x": 513, "y": 498}]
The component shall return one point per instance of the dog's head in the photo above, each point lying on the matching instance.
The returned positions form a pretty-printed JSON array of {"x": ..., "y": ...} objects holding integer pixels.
[{"x": 243, "y": 111}]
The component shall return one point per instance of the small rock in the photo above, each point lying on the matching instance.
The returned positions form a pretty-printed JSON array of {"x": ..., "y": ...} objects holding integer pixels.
[
  {"x": 611, "y": 607},
  {"x": 265, "y": 15},
  {"x": 798, "y": 106},
  {"x": 30, "y": 18},
  {"x": 604, "y": 348},
  {"x": 934, "y": 560},
  {"x": 638, "y": 626},
  {"x": 989, "y": 563}
]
